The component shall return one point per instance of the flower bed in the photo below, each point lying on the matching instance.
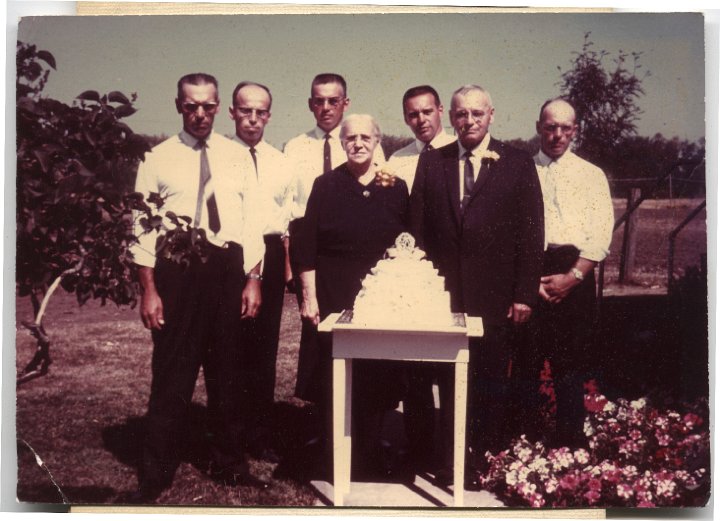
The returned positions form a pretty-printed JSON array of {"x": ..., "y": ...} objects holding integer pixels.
[{"x": 637, "y": 456}]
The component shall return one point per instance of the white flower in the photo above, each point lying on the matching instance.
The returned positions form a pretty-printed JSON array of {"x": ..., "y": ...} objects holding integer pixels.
[
  {"x": 524, "y": 454},
  {"x": 624, "y": 490},
  {"x": 490, "y": 154},
  {"x": 511, "y": 478},
  {"x": 551, "y": 485},
  {"x": 523, "y": 474},
  {"x": 581, "y": 456},
  {"x": 610, "y": 407}
]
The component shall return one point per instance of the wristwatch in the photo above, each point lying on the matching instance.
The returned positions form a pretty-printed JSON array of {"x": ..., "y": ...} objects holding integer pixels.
[
  {"x": 254, "y": 276},
  {"x": 577, "y": 274}
]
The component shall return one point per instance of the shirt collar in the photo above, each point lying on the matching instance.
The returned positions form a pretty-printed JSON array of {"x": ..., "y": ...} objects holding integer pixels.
[
  {"x": 478, "y": 150},
  {"x": 545, "y": 160},
  {"x": 320, "y": 133},
  {"x": 435, "y": 142},
  {"x": 191, "y": 141},
  {"x": 245, "y": 145}
]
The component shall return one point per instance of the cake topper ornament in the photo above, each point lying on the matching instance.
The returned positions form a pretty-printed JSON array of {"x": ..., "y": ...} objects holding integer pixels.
[
  {"x": 405, "y": 248},
  {"x": 405, "y": 242}
]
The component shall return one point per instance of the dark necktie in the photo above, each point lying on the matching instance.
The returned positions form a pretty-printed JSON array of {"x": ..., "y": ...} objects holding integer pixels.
[
  {"x": 212, "y": 209},
  {"x": 469, "y": 179},
  {"x": 327, "y": 163},
  {"x": 427, "y": 148},
  {"x": 253, "y": 153}
]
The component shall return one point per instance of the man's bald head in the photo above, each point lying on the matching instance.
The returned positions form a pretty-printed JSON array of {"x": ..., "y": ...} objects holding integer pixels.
[{"x": 557, "y": 127}]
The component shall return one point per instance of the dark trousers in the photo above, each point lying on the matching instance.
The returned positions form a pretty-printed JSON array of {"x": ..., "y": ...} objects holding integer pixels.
[
  {"x": 310, "y": 349},
  {"x": 488, "y": 406},
  {"x": 262, "y": 334},
  {"x": 202, "y": 305},
  {"x": 562, "y": 334}
]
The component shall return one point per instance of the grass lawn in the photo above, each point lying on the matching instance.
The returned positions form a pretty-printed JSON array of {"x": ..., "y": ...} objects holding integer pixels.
[{"x": 84, "y": 419}]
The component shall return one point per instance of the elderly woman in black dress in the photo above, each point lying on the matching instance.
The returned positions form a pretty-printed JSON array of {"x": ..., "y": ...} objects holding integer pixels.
[{"x": 351, "y": 219}]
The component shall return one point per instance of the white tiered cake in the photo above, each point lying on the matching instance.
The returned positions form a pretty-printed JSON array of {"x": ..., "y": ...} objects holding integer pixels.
[{"x": 403, "y": 290}]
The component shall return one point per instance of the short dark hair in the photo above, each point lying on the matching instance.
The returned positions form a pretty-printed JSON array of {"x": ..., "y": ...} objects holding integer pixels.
[
  {"x": 243, "y": 84},
  {"x": 195, "y": 78},
  {"x": 559, "y": 98},
  {"x": 419, "y": 90},
  {"x": 329, "y": 77}
]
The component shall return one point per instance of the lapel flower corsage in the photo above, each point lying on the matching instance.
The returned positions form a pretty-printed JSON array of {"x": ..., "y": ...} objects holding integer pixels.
[
  {"x": 489, "y": 155},
  {"x": 384, "y": 177}
]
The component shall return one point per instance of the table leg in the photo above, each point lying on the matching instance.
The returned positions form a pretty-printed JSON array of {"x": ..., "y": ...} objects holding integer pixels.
[
  {"x": 460, "y": 418},
  {"x": 342, "y": 414}
]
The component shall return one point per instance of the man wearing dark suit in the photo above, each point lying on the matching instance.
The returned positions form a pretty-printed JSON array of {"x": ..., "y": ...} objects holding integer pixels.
[{"x": 477, "y": 210}]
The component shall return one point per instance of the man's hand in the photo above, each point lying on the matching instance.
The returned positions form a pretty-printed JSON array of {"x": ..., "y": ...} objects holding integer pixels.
[
  {"x": 151, "y": 307},
  {"x": 554, "y": 288},
  {"x": 310, "y": 310},
  {"x": 520, "y": 313},
  {"x": 251, "y": 299}
]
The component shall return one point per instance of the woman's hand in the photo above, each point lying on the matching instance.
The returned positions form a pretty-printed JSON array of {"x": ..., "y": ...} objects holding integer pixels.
[{"x": 310, "y": 311}]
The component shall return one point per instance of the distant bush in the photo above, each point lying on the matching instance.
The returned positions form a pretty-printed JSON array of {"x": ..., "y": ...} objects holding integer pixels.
[{"x": 391, "y": 144}]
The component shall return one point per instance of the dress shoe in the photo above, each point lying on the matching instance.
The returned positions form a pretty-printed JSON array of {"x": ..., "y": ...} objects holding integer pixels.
[{"x": 262, "y": 449}]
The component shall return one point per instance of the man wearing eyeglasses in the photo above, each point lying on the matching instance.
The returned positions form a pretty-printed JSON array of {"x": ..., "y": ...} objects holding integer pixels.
[
  {"x": 476, "y": 209},
  {"x": 251, "y": 113},
  {"x": 194, "y": 310},
  {"x": 579, "y": 222},
  {"x": 311, "y": 154}
]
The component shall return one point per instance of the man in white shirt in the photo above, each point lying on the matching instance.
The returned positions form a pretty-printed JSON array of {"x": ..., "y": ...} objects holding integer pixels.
[
  {"x": 250, "y": 111},
  {"x": 194, "y": 310},
  {"x": 578, "y": 230},
  {"x": 423, "y": 113},
  {"x": 311, "y": 154}
]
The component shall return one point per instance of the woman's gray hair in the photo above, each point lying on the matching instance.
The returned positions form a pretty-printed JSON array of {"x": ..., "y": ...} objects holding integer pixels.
[{"x": 360, "y": 117}]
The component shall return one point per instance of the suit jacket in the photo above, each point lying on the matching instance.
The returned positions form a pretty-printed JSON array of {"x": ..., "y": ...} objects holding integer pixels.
[{"x": 491, "y": 253}]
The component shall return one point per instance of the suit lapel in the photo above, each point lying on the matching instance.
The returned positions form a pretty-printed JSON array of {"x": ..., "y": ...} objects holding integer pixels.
[
  {"x": 452, "y": 181},
  {"x": 486, "y": 170}
]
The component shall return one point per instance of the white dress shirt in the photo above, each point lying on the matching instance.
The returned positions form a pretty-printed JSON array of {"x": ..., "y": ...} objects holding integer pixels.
[
  {"x": 578, "y": 207},
  {"x": 403, "y": 162},
  {"x": 305, "y": 153},
  {"x": 277, "y": 184},
  {"x": 475, "y": 160},
  {"x": 172, "y": 170}
]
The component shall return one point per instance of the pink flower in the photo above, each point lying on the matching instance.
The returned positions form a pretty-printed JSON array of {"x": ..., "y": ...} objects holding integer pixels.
[
  {"x": 569, "y": 482},
  {"x": 692, "y": 420},
  {"x": 594, "y": 484},
  {"x": 592, "y": 496},
  {"x": 537, "y": 501},
  {"x": 663, "y": 439}
]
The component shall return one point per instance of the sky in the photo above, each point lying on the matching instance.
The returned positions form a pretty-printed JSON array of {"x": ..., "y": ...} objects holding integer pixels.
[{"x": 518, "y": 57}]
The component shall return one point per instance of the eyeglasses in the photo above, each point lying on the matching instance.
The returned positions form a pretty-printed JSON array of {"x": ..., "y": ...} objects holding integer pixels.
[
  {"x": 552, "y": 129},
  {"x": 464, "y": 114},
  {"x": 246, "y": 112},
  {"x": 189, "y": 107},
  {"x": 320, "y": 102}
]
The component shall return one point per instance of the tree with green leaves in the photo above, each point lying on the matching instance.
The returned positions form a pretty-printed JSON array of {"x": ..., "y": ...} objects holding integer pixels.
[
  {"x": 605, "y": 100},
  {"x": 75, "y": 172}
]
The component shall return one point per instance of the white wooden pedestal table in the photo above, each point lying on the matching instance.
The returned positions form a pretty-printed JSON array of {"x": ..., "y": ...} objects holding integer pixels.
[{"x": 416, "y": 343}]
